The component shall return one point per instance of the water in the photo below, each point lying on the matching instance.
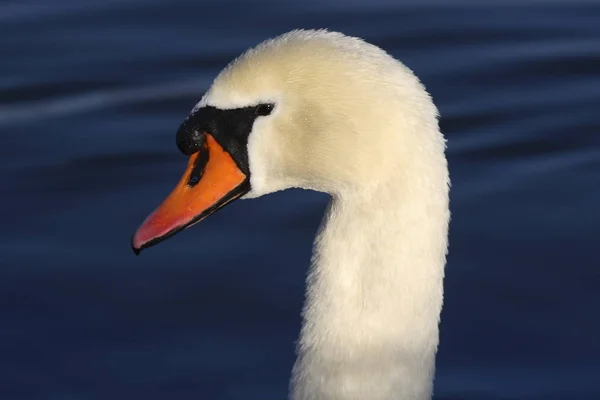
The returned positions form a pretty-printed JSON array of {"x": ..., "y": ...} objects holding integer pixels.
[{"x": 91, "y": 94}]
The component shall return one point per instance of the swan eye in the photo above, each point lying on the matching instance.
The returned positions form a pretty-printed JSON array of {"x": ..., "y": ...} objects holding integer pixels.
[{"x": 264, "y": 109}]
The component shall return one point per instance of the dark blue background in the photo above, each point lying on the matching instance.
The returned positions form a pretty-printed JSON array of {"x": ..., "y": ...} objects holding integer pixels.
[{"x": 91, "y": 94}]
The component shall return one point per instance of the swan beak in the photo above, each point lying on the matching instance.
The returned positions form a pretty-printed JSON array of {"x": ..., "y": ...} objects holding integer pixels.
[{"x": 211, "y": 180}]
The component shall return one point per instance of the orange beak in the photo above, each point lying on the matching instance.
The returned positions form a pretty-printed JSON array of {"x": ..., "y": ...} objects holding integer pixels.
[{"x": 211, "y": 180}]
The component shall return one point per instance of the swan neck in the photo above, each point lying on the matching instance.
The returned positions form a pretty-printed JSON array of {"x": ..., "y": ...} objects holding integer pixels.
[{"x": 374, "y": 296}]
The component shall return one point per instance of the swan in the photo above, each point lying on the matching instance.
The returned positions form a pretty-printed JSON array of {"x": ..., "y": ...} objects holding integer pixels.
[{"x": 320, "y": 110}]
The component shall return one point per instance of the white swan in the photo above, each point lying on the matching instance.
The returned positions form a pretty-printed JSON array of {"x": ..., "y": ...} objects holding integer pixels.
[{"x": 323, "y": 111}]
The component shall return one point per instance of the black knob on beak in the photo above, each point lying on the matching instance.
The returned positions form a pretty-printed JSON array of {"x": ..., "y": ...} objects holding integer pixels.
[{"x": 190, "y": 137}]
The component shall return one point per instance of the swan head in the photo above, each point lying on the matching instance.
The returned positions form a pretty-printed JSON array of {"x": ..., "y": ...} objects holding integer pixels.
[{"x": 309, "y": 109}]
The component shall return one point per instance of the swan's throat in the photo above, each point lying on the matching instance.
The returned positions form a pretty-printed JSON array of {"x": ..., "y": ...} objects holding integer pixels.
[{"x": 374, "y": 296}]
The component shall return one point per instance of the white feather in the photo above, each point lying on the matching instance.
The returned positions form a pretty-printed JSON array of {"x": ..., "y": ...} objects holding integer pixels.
[{"x": 352, "y": 121}]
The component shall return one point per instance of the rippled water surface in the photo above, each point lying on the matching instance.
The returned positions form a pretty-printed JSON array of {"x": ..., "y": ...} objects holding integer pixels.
[{"x": 91, "y": 94}]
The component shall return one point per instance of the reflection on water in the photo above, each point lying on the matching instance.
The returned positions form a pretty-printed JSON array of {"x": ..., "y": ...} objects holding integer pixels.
[{"x": 90, "y": 97}]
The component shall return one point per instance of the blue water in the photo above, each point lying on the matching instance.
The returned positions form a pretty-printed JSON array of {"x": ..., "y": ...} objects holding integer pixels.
[{"x": 91, "y": 94}]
